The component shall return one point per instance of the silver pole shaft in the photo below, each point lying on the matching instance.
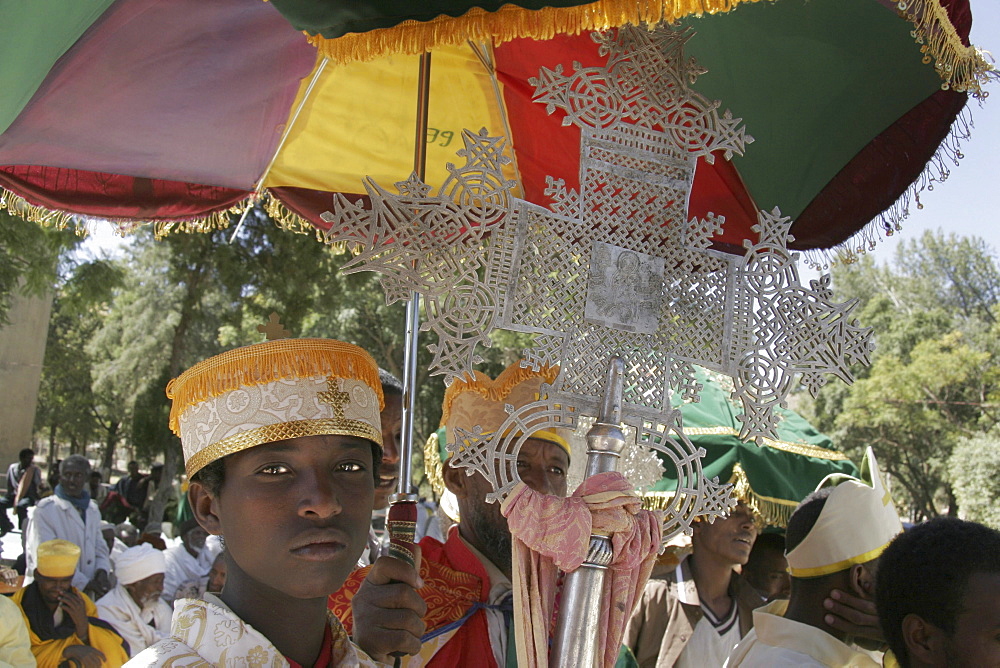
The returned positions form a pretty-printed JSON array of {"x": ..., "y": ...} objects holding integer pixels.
[
  {"x": 409, "y": 396},
  {"x": 575, "y": 642}
]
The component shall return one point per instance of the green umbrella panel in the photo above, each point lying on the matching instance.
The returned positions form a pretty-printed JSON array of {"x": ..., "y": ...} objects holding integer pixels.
[{"x": 771, "y": 478}]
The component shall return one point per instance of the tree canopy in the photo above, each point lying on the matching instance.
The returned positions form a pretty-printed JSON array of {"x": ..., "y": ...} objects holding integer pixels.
[{"x": 934, "y": 382}]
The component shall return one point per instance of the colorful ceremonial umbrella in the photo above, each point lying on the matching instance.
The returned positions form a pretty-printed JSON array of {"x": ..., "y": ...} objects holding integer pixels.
[
  {"x": 138, "y": 110},
  {"x": 771, "y": 478}
]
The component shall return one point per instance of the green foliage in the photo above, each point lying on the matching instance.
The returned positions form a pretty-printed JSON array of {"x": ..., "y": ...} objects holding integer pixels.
[
  {"x": 973, "y": 468},
  {"x": 28, "y": 255},
  {"x": 935, "y": 374}
]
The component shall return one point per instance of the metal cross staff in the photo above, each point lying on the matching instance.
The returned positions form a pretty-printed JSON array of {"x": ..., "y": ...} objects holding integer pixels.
[{"x": 613, "y": 269}]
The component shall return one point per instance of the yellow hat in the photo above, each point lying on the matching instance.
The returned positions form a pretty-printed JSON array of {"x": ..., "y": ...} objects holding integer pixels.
[
  {"x": 273, "y": 391},
  {"x": 857, "y": 522},
  {"x": 482, "y": 400},
  {"x": 57, "y": 558}
]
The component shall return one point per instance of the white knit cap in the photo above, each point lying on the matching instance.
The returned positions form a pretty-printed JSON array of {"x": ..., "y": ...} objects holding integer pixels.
[{"x": 139, "y": 562}]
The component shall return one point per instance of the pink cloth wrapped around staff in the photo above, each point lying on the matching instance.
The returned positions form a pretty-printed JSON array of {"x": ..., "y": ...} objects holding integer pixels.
[{"x": 552, "y": 533}]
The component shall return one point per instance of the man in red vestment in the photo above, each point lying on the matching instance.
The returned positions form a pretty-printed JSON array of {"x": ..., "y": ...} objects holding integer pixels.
[{"x": 466, "y": 581}]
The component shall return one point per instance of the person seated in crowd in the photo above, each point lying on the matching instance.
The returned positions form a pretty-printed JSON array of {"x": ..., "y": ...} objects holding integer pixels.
[
  {"x": 217, "y": 575},
  {"x": 281, "y": 442},
  {"x": 98, "y": 490},
  {"x": 186, "y": 569},
  {"x": 938, "y": 595},
  {"x": 767, "y": 569},
  {"x": 62, "y": 621},
  {"x": 119, "y": 504},
  {"x": 24, "y": 481},
  {"x": 134, "y": 607},
  {"x": 834, "y": 539},
  {"x": 127, "y": 533},
  {"x": 15, "y": 644},
  {"x": 466, "y": 602},
  {"x": 71, "y": 515},
  {"x": 697, "y": 614}
]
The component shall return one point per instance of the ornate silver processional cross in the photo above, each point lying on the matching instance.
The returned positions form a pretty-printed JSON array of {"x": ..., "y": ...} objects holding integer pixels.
[{"x": 613, "y": 269}]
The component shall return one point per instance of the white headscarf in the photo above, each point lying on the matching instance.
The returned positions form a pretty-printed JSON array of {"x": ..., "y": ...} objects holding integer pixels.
[{"x": 139, "y": 562}]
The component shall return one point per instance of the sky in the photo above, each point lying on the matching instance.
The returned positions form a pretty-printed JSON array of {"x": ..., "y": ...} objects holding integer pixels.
[{"x": 967, "y": 203}]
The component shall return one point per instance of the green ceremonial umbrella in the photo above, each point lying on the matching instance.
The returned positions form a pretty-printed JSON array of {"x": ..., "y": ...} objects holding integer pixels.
[{"x": 771, "y": 478}]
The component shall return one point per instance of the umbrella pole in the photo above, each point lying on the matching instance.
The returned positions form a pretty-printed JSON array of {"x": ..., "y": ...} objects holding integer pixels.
[
  {"x": 402, "y": 519},
  {"x": 577, "y": 627}
]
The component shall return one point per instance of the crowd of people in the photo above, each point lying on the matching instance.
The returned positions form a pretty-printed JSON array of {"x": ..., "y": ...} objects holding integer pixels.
[{"x": 291, "y": 450}]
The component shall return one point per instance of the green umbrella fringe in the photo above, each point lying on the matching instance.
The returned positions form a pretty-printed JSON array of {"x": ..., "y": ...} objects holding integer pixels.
[
  {"x": 768, "y": 510},
  {"x": 890, "y": 221},
  {"x": 962, "y": 68}
]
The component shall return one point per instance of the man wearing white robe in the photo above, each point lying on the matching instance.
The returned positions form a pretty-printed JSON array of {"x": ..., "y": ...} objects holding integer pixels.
[
  {"x": 186, "y": 568},
  {"x": 70, "y": 515},
  {"x": 134, "y": 607}
]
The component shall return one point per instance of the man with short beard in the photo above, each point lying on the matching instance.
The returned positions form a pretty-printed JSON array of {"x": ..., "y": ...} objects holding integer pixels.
[
  {"x": 466, "y": 592},
  {"x": 71, "y": 515},
  {"x": 134, "y": 607}
]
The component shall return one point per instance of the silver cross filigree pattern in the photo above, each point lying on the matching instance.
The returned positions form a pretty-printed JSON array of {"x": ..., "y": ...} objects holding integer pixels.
[{"x": 613, "y": 268}]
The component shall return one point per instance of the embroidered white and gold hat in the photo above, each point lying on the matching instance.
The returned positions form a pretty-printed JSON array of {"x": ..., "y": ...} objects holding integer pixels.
[
  {"x": 856, "y": 524},
  {"x": 274, "y": 391}
]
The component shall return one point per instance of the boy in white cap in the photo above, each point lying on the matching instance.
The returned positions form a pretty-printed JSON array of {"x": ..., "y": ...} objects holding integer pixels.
[
  {"x": 281, "y": 443},
  {"x": 833, "y": 542},
  {"x": 134, "y": 607}
]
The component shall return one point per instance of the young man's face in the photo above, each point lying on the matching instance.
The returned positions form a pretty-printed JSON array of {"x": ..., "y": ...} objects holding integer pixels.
[
  {"x": 729, "y": 539},
  {"x": 769, "y": 574},
  {"x": 295, "y": 514},
  {"x": 976, "y": 640},
  {"x": 392, "y": 428},
  {"x": 217, "y": 576}
]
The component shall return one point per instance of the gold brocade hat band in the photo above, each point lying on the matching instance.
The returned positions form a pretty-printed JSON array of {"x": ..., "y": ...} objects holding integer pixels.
[{"x": 271, "y": 392}]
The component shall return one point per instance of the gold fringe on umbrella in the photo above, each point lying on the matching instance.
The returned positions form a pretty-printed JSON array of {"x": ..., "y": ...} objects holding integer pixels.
[
  {"x": 61, "y": 220},
  {"x": 218, "y": 220},
  {"x": 767, "y": 510},
  {"x": 58, "y": 220},
  {"x": 510, "y": 22},
  {"x": 962, "y": 68}
]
